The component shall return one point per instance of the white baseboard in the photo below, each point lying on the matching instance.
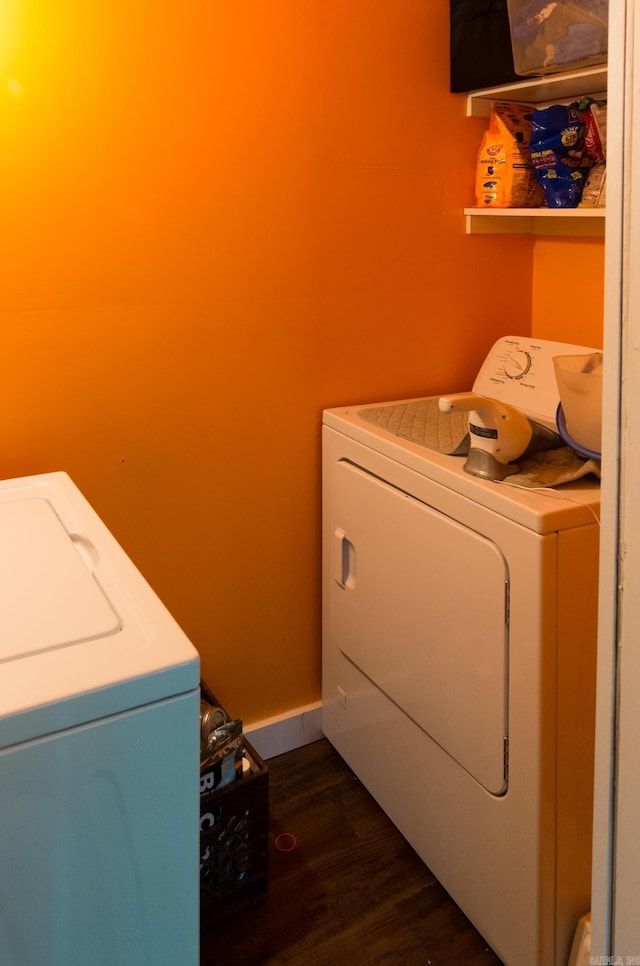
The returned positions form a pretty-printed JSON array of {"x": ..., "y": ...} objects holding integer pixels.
[{"x": 275, "y": 736}]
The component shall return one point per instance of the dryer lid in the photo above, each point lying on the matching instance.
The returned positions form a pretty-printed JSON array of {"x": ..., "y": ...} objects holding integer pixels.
[{"x": 49, "y": 597}]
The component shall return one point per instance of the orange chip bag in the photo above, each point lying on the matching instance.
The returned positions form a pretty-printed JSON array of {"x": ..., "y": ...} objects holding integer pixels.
[{"x": 504, "y": 175}]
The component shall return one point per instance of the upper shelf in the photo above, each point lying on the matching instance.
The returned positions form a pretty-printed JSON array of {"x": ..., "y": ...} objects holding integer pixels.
[
  {"x": 552, "y": 89},
  {"x": 540, "y": 90},
  {"x": 583, "y": 222}
]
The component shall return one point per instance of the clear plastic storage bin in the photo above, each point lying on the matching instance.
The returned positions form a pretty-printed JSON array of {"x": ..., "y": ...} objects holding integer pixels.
[{"x": 557, "y": 35}]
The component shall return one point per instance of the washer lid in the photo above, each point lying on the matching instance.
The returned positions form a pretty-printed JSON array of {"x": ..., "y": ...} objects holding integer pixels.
[
  {"x": 48, "y": 597},
  {"x": 82, "y": 634}
]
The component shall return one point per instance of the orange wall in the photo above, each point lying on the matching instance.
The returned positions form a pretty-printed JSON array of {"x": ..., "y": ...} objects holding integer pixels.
[
  {"x": 568, "y": 290},
  {"x": 218, "y": 219}
]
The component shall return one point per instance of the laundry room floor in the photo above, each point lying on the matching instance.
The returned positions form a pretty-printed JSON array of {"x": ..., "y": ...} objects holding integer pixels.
[{"x": 352, "y": 891}]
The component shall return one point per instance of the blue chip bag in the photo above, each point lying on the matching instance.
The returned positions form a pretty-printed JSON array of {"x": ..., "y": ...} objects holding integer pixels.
[{"x": 558, "y": 153}]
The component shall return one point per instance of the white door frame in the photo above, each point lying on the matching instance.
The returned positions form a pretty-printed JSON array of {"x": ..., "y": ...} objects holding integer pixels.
[{"x": 616, "y": 859}]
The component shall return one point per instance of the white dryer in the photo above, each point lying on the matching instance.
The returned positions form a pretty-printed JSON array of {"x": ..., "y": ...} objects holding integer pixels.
[
  {"x": 459, "y": 634},
  {"x": 99, "y": 749}
]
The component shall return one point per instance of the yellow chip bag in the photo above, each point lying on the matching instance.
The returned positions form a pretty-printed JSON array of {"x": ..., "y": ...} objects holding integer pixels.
[{"x": 504, "y": 175}]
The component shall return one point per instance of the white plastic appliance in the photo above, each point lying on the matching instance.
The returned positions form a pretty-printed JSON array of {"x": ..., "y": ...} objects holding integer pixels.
[
  {"x": 459, "y": 632},
  {"x": 99, "y": 749}
]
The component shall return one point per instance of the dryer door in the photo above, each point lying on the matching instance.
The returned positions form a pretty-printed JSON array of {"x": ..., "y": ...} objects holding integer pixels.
[{"x": 418, "y": 602}]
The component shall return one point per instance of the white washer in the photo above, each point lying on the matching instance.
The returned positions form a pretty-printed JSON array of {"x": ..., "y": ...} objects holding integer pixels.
[
  {"x": 459, "y": 632},
  {"x": 99, "y": 751}
]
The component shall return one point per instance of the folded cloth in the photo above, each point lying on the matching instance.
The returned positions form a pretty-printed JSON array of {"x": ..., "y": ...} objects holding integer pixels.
[
  {"x": 552, "y": 467},
  {"x": 421, "y": 421}
]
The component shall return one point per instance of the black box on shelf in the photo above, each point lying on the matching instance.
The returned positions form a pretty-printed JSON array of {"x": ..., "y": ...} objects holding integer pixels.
[{"x": 234, "y": 829}]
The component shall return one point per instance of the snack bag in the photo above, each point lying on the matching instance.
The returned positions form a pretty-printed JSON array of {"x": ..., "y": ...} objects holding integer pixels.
[
  {"x": 504, "y": 174},
  {"x": 594, "y": 193},
  {"x": 558, "y": 151},
  {"x": 594, "y": 116}
]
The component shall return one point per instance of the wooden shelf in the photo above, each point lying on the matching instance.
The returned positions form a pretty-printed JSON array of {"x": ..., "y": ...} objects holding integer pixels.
[
  {"x": 583, "y": 222},
  {"x": 551, "y": 89}
]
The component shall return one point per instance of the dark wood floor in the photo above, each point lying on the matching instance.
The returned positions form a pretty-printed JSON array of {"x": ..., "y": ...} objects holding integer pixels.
[{"x": 351, "y": 892}]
